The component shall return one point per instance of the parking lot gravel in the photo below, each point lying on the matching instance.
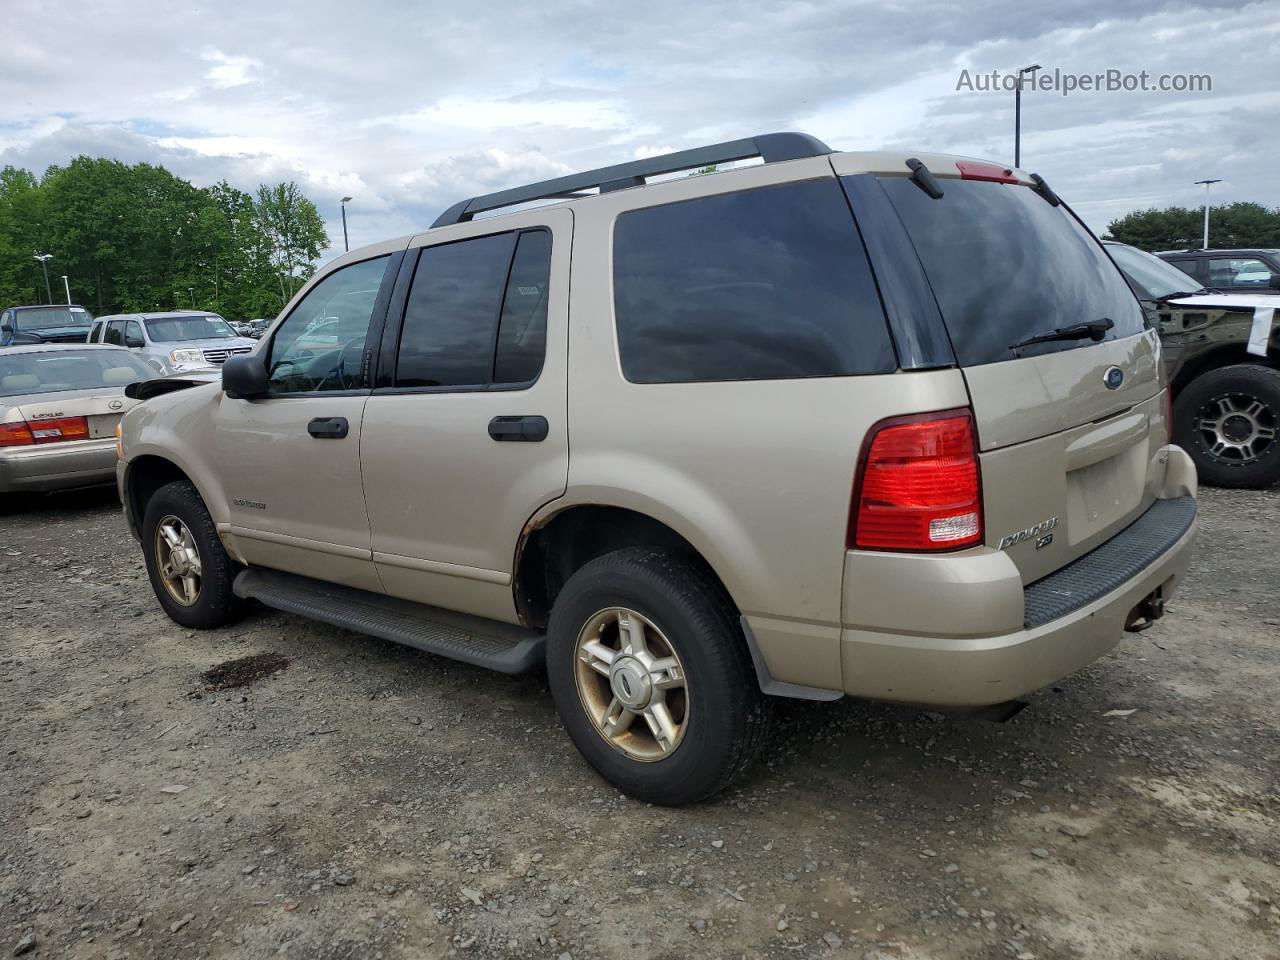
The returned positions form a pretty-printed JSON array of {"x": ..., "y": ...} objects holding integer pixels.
[{"x": 352, "y": 798}]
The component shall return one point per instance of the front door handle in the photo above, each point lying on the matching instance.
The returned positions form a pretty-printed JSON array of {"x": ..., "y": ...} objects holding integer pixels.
[
  {"x": 519, "y": 429},
  {"x": 328, "y": 428}
]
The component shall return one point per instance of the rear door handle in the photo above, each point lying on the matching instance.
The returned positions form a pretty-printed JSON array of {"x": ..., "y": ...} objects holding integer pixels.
[
  {"x": 328, "y": 428},
  {"x": 519, "y": 429}
]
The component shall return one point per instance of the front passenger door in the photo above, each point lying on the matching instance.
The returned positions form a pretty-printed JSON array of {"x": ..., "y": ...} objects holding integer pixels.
[{"x": 290, "y": 460}]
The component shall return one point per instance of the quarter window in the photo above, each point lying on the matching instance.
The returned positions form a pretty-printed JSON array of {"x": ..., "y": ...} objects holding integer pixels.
[
  {"x": 320, "y": 345},
  {"x": 753, "y": 285}
]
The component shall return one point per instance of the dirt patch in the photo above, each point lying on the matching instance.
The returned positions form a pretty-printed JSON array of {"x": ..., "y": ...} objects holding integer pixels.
[
  {"x": 243, "y": 671},
  {"x": 1130, "y": 813}
]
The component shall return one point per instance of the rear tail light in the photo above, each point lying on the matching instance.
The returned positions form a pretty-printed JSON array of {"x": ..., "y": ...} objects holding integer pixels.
[
  {"x": 15, "y": 434},
  {"x": 24, "y": 434},
  {"x": 918, "y": 486}
]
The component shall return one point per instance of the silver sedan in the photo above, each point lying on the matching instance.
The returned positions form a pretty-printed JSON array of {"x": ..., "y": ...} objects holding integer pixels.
[{"x": 59, "y": 406}]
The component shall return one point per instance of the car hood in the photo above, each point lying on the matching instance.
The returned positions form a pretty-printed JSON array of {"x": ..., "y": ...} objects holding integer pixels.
[
  {"x": 1230, "y": 301},
  {"x": 53, "y": 333}
]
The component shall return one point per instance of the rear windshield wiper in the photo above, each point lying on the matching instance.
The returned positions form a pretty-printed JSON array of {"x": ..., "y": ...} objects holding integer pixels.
[{"x": 1094, "y": 330}]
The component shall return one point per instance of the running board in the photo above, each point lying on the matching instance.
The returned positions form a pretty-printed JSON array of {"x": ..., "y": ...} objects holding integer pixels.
[{"x": 458, "y": 636}]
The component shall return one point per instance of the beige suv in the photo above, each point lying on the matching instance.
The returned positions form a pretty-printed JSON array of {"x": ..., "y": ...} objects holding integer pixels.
[{"x": 826, "y": 424}]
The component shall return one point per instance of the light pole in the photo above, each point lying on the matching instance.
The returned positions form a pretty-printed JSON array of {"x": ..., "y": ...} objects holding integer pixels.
[
  {"x": 1206, "y": 209},
  {"x": 1017, "y": 114},
  {"x": 191, "y": 292},
  {"x": 67, "y": 285},
  {"x": 44, "y": 259},
  {"x": 345, "y": 244}
]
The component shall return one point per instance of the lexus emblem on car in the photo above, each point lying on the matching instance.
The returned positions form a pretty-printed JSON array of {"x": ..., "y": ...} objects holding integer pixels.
[
  {"x": 115, "y": 404},
  {"x": 1113, "y": 378}
]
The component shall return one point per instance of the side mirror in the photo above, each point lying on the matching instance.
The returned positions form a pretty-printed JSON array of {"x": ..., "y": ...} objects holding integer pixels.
[
  {"x": 135, "y": 342},
  {"x": 244, "y": 377},
  {"x": 1275, "y": 284}
]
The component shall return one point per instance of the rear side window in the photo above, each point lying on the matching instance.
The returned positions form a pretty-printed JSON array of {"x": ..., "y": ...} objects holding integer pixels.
[
  {"x": 477, "y": 312},
  {"x": 755, "y": 285},
  {"x": 1005, "y": 266}
]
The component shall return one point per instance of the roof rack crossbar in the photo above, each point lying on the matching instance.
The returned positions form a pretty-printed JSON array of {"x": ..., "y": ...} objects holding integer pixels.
[{"x": 769, "y": 147}]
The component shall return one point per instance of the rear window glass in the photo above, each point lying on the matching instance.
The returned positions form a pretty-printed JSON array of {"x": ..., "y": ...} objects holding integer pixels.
[
  {"x": 755, "y": 285},
  {"x": 1005, "y": 265},
  {"x": 55, "y": 370}
]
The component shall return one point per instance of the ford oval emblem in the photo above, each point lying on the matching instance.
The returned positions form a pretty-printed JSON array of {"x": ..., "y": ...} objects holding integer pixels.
[{"x": 1113, "y": 378}]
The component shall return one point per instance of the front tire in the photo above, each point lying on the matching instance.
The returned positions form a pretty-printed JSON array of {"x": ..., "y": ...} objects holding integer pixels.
[
  {"x": 1228, "y": 420},
  {"x": 187, "y": 564},
  {"x": 651, "y": 676}
]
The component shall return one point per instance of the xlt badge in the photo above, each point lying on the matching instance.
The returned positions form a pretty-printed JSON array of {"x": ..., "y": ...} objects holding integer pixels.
[{"x": 1043, "y": 527}]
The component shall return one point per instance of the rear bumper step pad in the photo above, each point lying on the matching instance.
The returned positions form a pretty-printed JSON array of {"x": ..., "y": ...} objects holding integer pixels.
[
  {"x": 474, "y": 640},
  {"x": 1118, "y": 560}
]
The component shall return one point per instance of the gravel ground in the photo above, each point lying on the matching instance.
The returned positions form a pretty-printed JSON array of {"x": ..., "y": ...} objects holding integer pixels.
[{"x": 357, "y": 799}]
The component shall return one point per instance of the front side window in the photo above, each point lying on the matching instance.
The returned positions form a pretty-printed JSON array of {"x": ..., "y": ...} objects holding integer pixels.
[
  {"x": 320, "y": 346},
  {"x": 1006, "y": 266},
  {"x": 477, "y": 312},
  {"x": 115, "y": 333},
  {"x": 1239, "y": 272},
  {"x": 760, "y": 284},
  {"x": 133, "y": 334}
]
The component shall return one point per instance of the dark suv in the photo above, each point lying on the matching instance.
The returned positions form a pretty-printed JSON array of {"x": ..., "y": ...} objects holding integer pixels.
[
  {"x": 1231, "y": 271},
  {"x": 48, "y": 323}
]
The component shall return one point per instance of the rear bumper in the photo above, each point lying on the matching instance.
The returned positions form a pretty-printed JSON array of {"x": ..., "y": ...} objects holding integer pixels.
[
  {"x": 82, "y": 463},
  {"x": 1069, "y": 620}
]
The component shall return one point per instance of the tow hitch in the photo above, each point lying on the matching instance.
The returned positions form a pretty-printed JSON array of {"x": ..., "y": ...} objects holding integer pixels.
[{"x": 1146, "y": 613}]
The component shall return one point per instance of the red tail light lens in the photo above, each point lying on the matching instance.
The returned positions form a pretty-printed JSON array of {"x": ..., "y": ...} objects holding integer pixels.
[
  {"x": 43, "y": 431},
  {"x": 15, "y": 435},
  {"x": 918, "y": 487}
]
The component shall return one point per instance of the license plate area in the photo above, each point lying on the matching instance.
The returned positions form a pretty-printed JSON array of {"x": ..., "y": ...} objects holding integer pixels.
[
  {"x": 1105, "y": 492},
  {"x": 102, "y": 425}
]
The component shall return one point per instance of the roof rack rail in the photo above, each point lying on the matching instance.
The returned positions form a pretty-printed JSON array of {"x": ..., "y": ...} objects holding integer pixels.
[{"x": 769, "y": 147}]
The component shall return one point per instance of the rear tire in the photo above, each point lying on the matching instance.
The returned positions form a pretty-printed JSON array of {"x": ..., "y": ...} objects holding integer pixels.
[
  {"x": 657, "y": 631},
  {"x": 189, "y": 568},
  {"x": 1228, "y": 420}
]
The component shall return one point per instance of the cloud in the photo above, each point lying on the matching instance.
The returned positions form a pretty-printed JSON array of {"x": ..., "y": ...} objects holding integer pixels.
[
  {"x": 228, "y": 71},
  {"x": 408, "y": 108}
]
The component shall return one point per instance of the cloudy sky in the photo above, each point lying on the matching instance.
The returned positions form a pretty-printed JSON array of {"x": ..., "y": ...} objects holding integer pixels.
[{"x": 409, "y": 106}]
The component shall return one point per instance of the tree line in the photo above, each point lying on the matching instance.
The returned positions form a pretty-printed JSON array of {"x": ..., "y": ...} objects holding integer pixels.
[
  {"x": 1231, "y": 226},
  {"x": 137, "y": 238}
]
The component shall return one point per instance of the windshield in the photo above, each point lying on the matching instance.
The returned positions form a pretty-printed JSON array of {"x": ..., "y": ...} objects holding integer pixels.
[
  {"x": 56, "y": 370},
  {"x": 1005, "y": 265},
  {"x": 1148, "y": 271},
  {"x": 45, "y": 318},
  {"x": 177, "y": 329}
]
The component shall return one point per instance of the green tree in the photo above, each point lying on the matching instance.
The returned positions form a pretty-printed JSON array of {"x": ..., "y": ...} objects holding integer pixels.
[
  {"x": 139, "y": 238},
  {"x": 1175, "y": 228},
  {"x": 293, "y": 227}
]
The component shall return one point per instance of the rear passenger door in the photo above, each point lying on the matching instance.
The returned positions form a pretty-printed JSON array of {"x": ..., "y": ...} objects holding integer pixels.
[{"x": 465, "y": 433}]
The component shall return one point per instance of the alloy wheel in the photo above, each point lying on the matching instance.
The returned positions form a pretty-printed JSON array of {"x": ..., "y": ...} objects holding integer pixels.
[
  {"x": 631, "y": 684},
  {"x": 178, "y": 560},
  {"x": 1236, "y": 427}
]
